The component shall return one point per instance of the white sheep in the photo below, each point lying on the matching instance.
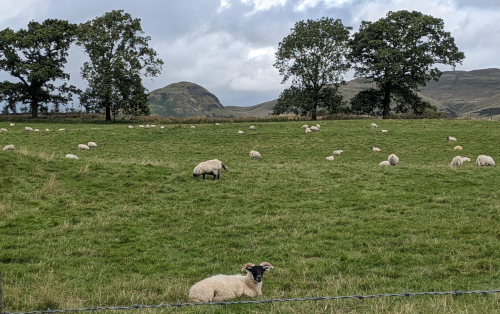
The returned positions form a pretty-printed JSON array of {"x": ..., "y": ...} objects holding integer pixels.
[
  {"x": 140, "y": 126},
  {"x": 91, "y": 144},
  {"x": 464, "y": 159},
  {"x": 148, "y": 126},
  {"x": 384, "y": 131},
  {"x": 47, "y": 130},
  {"x": 451, "y": 138},
  {"x": 223, "y": 287},
  {"x": 338, "y": 152},
  {"x": 193, "y": 127},
  {"x": 83, "y": 146},
  {"x": 28, "y": 128},
  {"x": 12, "y": 124},
  {"x": 36, "y": 130},
  {"x": 240, "y": 132},
  {"x": 331, "y": 158},
  {"x": 255, "y": 154},
  {"x": 130, "y": 127},
  {"x": 375, "y": 149},
  {"x": 8, "y": 147},
  {"x": 3, "y": 130},
  {"x": 162, "y": 127},
  {"x": 308, "y": 130},
  {"x": 305, "y": 126},
  {"x": 71, "y": 156},
  {"x": 393, "y": 159},
  {"x": 217, "y": 123},
  {"x": 212, "y": 167},
  {"x": 62, "y": 129},
  {"x": 483, "y": 160},
  {"x": 314, "y": 128},
  {"x": 373, "y": 125},
  {"x": 252, "y": 127},
  {"x": 384, "y": 163},
  {"x": 318, "y": 126},
  {"x": 458, "y": 147},
  {"x": 456, "y": 161}
]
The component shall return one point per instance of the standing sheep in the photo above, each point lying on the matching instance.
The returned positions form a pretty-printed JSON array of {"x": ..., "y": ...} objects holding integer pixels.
[
  {"x": 223, "y": 287},
  {"x": 451, "y": 138},
  {"x": 83, "y": 146},
  {"x": 252, "y": 127},
  {"x": 456, "y": 161},
  {"x": 211, "y": 167},
  {"x": 91, "y": 144},
  {"x": 373, "y": 125},
  {"x": 483, "y": 160},
  {"x": 255, "y": 154}
]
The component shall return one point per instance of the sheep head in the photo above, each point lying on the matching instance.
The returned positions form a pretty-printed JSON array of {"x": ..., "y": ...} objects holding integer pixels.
[{"x": 257, "y": 271}]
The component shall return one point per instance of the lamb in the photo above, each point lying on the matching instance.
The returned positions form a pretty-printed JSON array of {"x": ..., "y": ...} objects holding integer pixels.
[
  {"x": 8, "y": 147},
  {"x": 375, "y": 149},
  {"x": 255, "y": 154},
  {"x": 338, "y": 152},
  {"x": 91, "y": 144},
  {"x": 373, "y": 125},
  {"x": 314, "y": 128},
  {"x": 223, "y": 287},
  {"x": 451, "y": 138},
  {"x": 483, "y": 160},
  {"x": 211, "y": 167},
  {"x": 331, "y": 158},
  {"x": 458, "y": 147},
  {"x": 384, "y": 163},
  {"x": 28, "y": 128},
  {"x": 240, "y": 132},
  {"x": 3, "y": 130},
  {"x": 71, "y": 156},
  {"x": 83, "y": 146},
  {"x": 252, "y": 127},
  {"x": 393, "y": 159},
  {"x": 456, "y": 161}
]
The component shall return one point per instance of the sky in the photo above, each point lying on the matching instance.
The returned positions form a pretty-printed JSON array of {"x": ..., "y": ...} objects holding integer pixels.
[{"x": 228, "y": 46}]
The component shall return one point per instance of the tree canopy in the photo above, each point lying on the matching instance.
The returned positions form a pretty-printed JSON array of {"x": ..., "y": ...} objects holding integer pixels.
[
  {"x": 400, "y": 53},
  {"x": 313, "y": 56},
  {"x": 119, "y": 54},
  {"x": 36, "y": 57}
]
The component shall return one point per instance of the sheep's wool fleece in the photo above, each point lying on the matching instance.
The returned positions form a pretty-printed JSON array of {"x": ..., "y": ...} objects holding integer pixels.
[
  {"x": 224, "y": 287},
  {"x": 210, "y": 166}
]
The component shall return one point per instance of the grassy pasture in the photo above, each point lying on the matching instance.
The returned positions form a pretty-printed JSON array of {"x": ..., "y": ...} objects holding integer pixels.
[{"x": 127, "y": 223}]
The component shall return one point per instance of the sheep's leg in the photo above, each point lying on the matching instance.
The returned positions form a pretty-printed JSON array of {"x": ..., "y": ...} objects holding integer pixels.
[{"x": 203, "y": 176}]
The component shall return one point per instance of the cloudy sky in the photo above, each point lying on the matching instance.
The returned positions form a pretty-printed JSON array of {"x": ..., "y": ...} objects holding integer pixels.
[{"x": 228, "y": 46}]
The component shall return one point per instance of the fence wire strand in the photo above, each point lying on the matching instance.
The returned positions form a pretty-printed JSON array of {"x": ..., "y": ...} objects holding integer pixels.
[{"x": 178, "y": 305}]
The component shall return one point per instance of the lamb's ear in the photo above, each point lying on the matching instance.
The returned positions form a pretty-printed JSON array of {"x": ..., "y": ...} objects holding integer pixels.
[
  {"x": 266, "y": 265},
  {"x": 247, "y": 267}
]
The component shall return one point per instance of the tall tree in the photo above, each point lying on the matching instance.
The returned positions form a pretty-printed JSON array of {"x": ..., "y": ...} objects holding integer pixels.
[
  {"x": 399, "y": 52},
  {"x": 119, "y": 54},
  {"x": 36, "y": 57},
  {"x": 313, "y": 57}
]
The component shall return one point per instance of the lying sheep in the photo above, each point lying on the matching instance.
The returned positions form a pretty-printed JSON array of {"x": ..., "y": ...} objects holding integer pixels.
[
  {"x": 211, "y": 167},
  {"x": 12, "y": 124},
  {"x": 255, "y": 154},
  {"x": 83, "y": 146},
  {"x": 308, "y": 130},
  {"x": 252, "y": 127},
  {"x": 384, "y": 131},
  {"x": 130, "y": 127},
  {"x": 223, "y": 287},
  {"x": 162, "y": 126},
  {"x": 451, "y": 138},
  {"x": 62, "y": 129},
  {"x": 331, "y": 158},
  {"x": 3, "y": 130},
  {"x": 8, "y": 147},
  {"x": 28, "y": 128},
  {"x": 464, "y": 159},
  {"x": 384, "y": 163},
  {"x": 393, "y": 159},
  {"x": 375, "y": 149},
  {"x": 193, "y": 127},
  {"x": 314, "y": 128},
  {"x": 483, "y": 160},
  {"x": 71, "y": 156},
  {"x": 91, "y": 144},
  {"x": 318, "y": 126},
  {"x": 240, "y": 132},
  {"x": 305, "y": 126},
  {"x": 373, "y": 125},
  {"x": 458, "y": 147},
  {"x": 338, "y": 152}
]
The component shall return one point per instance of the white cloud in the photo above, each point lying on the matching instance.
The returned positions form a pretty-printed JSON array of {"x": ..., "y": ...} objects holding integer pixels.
[
  {"x": 263, "y": 5},
  {"x": 224, "y": 4},
  {"x": 307, "y": 4}
]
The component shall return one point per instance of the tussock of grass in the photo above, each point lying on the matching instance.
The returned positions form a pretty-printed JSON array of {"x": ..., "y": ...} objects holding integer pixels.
[{"x": 127, "y": 223}]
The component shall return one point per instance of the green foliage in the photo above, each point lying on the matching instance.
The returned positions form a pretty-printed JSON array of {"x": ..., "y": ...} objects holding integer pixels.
[
  {"x": 119, "y": 54},
  {"x": 368, "y": 101},
  {"x": 313, "y": 57},
  {"x": 36, "y": 57},
  {"x": 399, "y": 52},
  {"x": 127, "y": 223}
]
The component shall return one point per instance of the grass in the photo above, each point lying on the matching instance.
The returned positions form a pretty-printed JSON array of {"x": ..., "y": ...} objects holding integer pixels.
[{"x": 127, "y": 223}]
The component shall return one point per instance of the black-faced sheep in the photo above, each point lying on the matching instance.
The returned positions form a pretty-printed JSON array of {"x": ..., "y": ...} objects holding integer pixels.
[
  {"x": 211, "y": 167},
  {"x": 223, "y": 287}
]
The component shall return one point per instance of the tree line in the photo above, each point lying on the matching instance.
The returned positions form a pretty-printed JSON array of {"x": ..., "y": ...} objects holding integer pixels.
[
  {"x": 118, "y": 54},
  {"x": 397, "y": 53}
]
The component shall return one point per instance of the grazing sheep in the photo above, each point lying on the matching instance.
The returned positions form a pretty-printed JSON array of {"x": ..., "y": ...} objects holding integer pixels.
[
  {"x": 8, "y": 147},
  {"x": 305, "y": 126},
  {"x": 252, "y": 127},
  {"x": 308, "y": 130},
  {"x": 384, "y": 163},
  {"x": 384, "y": 131},
  {"x": 373, "y": 125},
  {"x": 314, "y": 128},
  {"x": 3, "y": 130},
  {"x": 223, "y": 287},
  {"x": 240, "y": 132},
  {"x": 451, "y": 138},
  {"x": 375, "y": 149},
  {"x": 393, "y": 159},
  {"x": 211, "y": 167},
  {"x": 83, "y": 146},
  {"x": 130, "y": 127},
  {"x": 91, "y": 144},
  {"x": 483, "y": 160},
  {"x": 458, "y": 147},
  {"x": 338, "y": 152},
  {"x": 71, "y": 156},
  {"x": 456, "y": 161},
  {"x": 331, "y": 158},
  {"x": 28, "y": 128},
  {"x": 12, "y": 124},
  {"x": 193, "y": 127},
  {"x": 255, "y": 154}
]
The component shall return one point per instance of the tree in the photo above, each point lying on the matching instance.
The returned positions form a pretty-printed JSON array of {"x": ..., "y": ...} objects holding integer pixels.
[
  {"x": 36, "y": 57},
  {"x": 399, "y": 52},
  {"x": 119, "y": 54},
  {"x": 313, "y": 56}
]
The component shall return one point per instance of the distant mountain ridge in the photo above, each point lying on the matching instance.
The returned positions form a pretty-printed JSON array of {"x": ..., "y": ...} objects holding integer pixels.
[{"x": 458, "y": 93}]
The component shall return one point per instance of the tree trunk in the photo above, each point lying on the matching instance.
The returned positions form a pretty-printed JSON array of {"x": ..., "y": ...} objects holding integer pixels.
[
  {"x": 34, "y": 109},
  {"x": 386, "y": 102},
  {"x": 313, "y": 113},
  {"x": 108, "y": 112}
]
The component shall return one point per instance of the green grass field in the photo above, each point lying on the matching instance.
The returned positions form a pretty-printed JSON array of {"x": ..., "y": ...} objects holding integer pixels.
[{"x": 127, "y": 223}]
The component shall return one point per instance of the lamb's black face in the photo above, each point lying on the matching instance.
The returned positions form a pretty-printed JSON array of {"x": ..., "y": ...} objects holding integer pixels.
[{"x": 257, "y": 272}]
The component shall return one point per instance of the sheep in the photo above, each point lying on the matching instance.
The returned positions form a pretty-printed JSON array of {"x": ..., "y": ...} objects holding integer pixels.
[
  {"x": 464, "y": 159},
  {"x": 62, "y": 129},
  {"x": 393, "y": 159},
  {"x": 211, "y": 167},
  {"x": 456, "y": 161},
  {"x": 331, "y": 158},
  {"x": 338, "y": 152},
  {"x": 318, "y": 126},
  {"x": 384, "y": 163},
  {"x": 47, "y": 130},
  {"x": 153, "y": 125},
  {"x": 28, "y": 128},
  {"x": 314, "y": 128},
  {"x": 384, "y": 131},
  {"x": 71, "y": 156},
  {"x": 483, "y": 160},
  {"x": 83, "y": 146},
  {"x": 130, "y": 127},
  {"x": 252, "y": 127},
  {"x": 451, "y": 138},
  {"x": 217, "y": 123},
  {"x": 12, "y": 124},
  {"x": 375, "y": 149},
  {"x": 240, "y": 132},
  {"x": 223, "y": 287},
  {"x": 458, "y": 147},
  {"x": 162, "y": 127},
  {"x": 193, "y": 127},
  {"x": 8, "y": 147},
  {"x": 140, "y": 126},
  {"x": 308, "y": 130},
  {"x": 255, "y": 154},
  {"x": 3, "y": 130},
  {"x": 373, "y": 125},
  {"x": 36, "y": 130},
  {"x": 147, "y": 126},
  {"x": 91, "y": 144},
  {"x": 305, "y": 126}
]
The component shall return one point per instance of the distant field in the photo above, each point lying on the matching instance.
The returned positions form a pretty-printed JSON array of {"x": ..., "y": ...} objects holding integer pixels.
[{"x": 127, "y": 223}]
